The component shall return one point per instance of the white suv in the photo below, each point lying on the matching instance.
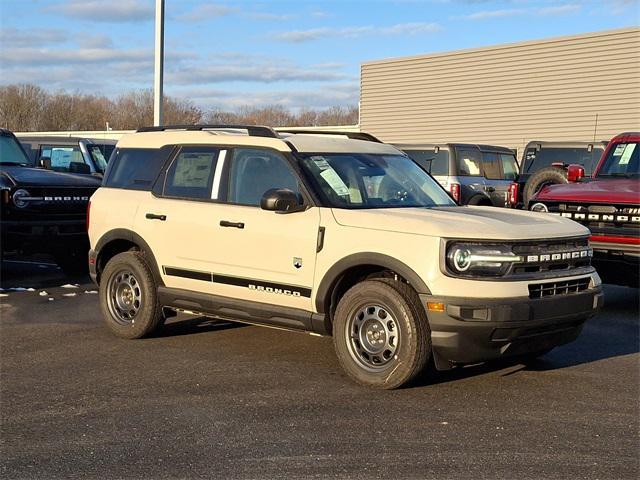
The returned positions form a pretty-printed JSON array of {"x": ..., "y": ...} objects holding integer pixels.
[{"x": 332, "y": 236}]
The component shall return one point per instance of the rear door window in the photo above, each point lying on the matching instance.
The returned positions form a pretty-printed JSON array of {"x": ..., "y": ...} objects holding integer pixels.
[
  {"x": 437, "y": 164},
  {"x": 192, "y": 173},
  {"x": 491, "y": 166}
]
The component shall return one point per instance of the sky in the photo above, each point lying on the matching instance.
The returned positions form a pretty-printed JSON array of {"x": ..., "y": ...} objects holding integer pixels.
[{"x": 298, "y": 54}]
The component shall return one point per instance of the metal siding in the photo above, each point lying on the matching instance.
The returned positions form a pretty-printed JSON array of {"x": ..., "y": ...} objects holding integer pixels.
[{"x": 509, "y": 94}]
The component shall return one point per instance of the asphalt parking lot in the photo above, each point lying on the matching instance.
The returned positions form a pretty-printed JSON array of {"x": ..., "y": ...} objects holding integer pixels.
[{"x": 207, "y": 399}]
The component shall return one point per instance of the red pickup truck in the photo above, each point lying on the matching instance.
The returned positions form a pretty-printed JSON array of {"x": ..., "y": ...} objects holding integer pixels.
[{"x": 608, "y": 204}]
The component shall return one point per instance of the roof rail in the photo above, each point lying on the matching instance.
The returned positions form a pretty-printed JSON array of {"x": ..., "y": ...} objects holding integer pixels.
[
  {"x": 252, "y": 130},
  {"x": 352, "y": 135}
]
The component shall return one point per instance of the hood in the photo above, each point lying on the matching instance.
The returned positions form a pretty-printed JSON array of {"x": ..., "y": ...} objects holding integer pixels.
[
  {"x": 463, "y": 222},
  {"x": 40, "y": 177},
  {"x": 610, "y": 190}
]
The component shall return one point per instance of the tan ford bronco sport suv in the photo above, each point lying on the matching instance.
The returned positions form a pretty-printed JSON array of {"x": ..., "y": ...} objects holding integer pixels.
[{"x": 333, "y": 236}]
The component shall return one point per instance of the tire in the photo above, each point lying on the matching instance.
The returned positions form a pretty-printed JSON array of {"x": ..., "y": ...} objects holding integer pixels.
[
  {"x": 129, "y": 296},
  {"x": 385, "y": 311},
  {"x": 540, "y": 179},
  {"x": 480, "y": 200}
]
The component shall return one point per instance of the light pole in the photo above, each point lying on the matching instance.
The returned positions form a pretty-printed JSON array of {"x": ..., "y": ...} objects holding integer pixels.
[{"x": 159, "y": 65}]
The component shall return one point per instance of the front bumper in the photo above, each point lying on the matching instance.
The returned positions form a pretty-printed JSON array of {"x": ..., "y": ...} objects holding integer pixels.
[
  {"x": 42, "y": 236},
  {"x": 476, "y": 330}
]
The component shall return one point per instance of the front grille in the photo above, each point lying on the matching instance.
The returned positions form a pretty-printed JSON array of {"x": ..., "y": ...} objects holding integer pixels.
[
  {"x": 550, "y": 289},
  {"x": 551, "y": 256}
]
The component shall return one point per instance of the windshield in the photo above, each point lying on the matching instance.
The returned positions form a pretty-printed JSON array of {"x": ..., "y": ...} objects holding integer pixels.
[
  {"x": 538, "y": 159},
  {"x": 100, "y": 155},
  {"x": 621, "y": 161},
  {"x": 358, "y": 180},
  {"x": 11, "y": 153}
]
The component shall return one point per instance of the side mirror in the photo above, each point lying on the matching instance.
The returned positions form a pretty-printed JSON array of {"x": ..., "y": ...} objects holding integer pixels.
[
  {"x": 575, "y": 173},
  {"x": 280, "y": 200},
  {"x": 45, "y": 162},
  {"x": 78, "y": 167}
]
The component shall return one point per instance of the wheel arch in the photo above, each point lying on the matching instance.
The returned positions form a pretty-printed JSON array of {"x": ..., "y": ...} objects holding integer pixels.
[
  {"x": 480, "y": 199},
  {"x": 121, "y": 240},
  {"x": 359, "y": 265}
]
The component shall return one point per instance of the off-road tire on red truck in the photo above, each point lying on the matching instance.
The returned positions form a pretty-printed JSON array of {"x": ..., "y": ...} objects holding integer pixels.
[{"x": 542, "y": 178}]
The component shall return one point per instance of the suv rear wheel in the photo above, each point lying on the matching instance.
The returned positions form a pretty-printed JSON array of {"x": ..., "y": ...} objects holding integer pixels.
[
  {"x": 128, "y": 296},
  {"x": 381, "y": 334}
]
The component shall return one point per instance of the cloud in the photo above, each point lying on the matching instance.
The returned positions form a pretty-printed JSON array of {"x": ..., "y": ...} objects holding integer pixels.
[
  {"x": 265, "y": 72},
  {"x": 13, "y": 37},
  {"x": 205, "y": 12},
  {"x": 512, "y": 12},
  {"x": 300, "y": 36},
  {"x": 105, "y": 11},
  {"x": 270, "y": 17},
  {"x": 328, "y": 95}
]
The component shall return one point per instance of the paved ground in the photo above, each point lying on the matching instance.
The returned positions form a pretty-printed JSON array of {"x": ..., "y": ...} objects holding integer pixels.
[{"x": 213, "y": 400}]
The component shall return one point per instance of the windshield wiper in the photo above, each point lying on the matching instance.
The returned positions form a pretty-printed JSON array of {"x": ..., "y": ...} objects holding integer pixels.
[{"x": 14, "y": 163}]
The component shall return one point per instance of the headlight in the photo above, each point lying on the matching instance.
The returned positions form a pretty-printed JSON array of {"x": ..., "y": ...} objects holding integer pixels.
[
  {"x": 18, "y": 197},
  {"x": 475, "y": 259},
  {"x": 539, "y": 207}
]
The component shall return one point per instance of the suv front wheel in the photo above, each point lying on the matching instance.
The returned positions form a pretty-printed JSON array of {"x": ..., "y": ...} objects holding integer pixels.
[
  {"x": 381, "y": 334},
  {"x": 128, "y": 296}
]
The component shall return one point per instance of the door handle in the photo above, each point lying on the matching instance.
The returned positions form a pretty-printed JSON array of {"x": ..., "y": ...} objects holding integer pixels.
[
  {"x": 153, "y": 216},
  {"x": 225, "y": 223}
]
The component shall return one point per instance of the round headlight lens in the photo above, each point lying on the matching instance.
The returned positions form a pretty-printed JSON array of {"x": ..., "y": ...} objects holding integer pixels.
[
  {"x": 461, "y": 259},
  {"x": 539, "y": 207},
  {"x": 18, "y": 195}
]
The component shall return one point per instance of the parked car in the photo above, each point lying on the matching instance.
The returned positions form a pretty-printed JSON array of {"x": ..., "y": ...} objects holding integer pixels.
[
  {"x": 332, "y": 236},
  {"x": 546, "y": 163},
  {"x": 609, "y": 204},
  {"x": 69, "y": 154},
  {"x": 472, "y": 174},
  {"x": 43, "y": 211}
]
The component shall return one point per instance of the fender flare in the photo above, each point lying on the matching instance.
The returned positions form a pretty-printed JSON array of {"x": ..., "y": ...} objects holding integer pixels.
[
  {"x": 131, "y": 236},
  {"x": 333, "y": 275}
]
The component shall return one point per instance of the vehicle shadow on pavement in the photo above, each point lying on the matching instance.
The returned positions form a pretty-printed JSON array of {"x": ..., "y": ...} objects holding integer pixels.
[
  {"x": 614, "y": 332},
  {"x": 36, "y": 273},
  {"x": 176, "y": 327}
]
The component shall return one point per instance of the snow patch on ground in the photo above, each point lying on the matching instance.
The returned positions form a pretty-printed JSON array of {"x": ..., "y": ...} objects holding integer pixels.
[{"x": 69, "y": 285}]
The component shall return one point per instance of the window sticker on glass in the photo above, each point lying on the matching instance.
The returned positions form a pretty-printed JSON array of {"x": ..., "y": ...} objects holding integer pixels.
[
  {"x": 321, "y": 163},
  {"x": 628, "y": 151},
  {"x": 334, "y": 181},
  {"x": 619, "y": 149}
]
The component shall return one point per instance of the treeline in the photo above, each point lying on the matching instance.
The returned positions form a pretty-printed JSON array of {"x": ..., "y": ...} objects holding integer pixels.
[{"x": 26, "y": 107}]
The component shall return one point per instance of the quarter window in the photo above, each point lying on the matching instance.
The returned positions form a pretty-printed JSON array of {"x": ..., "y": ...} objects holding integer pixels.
[
  {"x": 469, "y": 162},
  {"x": 192, "y": 173},
  {"x": 254, "y": 171},
  {"x": 134, "y": 168},
  {"x": 509, "y": 166}
]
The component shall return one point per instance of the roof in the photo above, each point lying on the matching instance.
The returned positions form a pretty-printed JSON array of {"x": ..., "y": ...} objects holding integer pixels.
[
  {"x": 566, "y": 144},
  {"x": 408, "y": 146},
  {"x": 63, "y": 140},
  {"x": 308, "y": 142}
]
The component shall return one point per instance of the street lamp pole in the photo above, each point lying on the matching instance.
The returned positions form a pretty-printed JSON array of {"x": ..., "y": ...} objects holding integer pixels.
[{"x": 159, "y": 65}]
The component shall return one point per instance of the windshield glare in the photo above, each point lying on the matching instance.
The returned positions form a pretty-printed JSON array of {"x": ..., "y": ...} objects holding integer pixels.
[
  {"x": 10, "y": 152},
  {"x": 372, "y": 181},
  {"x": 622, "y": 160}
]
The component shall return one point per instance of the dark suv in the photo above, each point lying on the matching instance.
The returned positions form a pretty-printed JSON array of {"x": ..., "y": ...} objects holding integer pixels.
[
  {"x": 545, "y": 163},
  {"x": 472, "y": 174},
  {"x": 69, "y": 154},
  {"x": 43, "y": 211}
]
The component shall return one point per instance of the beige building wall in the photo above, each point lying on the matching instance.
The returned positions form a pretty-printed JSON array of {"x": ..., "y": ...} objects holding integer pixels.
[{"x": 508, "y": 94}]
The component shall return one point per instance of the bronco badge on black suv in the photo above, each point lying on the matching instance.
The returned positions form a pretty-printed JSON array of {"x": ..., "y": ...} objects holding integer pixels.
[{"x": 333, "y": 236}]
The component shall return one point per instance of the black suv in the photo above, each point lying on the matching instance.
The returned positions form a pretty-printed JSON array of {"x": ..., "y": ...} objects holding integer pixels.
[
  {"x": 43, "y": 211},
  {"x": 69, "y": 154},
  {"x": 545, "y": 163},
  {"x": 472, "y": 174}
]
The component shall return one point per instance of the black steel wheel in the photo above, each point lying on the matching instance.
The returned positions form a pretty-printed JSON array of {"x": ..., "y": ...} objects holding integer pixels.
[
  {"x": 128, "y": 296},
  {"x": 381, "y": 334}
]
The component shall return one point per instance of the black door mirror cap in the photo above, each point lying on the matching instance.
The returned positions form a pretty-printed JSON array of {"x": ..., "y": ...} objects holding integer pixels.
[{"x": 281, "y": 200}]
